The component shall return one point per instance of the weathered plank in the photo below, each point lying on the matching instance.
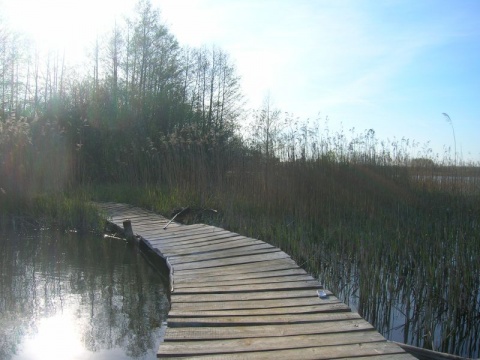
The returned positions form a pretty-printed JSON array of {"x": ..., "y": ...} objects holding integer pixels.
[
  {"x": 260, "y": 295},
  {"x": 177, "y": 244},
  {"x": 336, "y": 307},
  {"x": 264, "y": 280},
  {"x": 186, "y": 231},
  {"x": 220, "y": 241},
  {"x": 210, "y": 246},
  {"x": 252, "y": 304},
  {"x": 385, "y": 356},
  {"x": 193, "y": 240},
  {"x": 232, "y": 261},
  {"x": 260, "y": 267},
  {"x": 241, "y": 332},
  {"x": 313, "y": 352},
  {"x": 261, "y": 319},
  {"x": 134, "y": 216},
  {"x": 223, "y": 254},
  {"x": 308, "y": 284},
  {"x": 267, "y": 343},
  {"x": 233, "y": 277}
]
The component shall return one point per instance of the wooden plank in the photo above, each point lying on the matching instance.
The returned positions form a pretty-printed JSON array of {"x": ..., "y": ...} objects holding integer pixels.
[
  {"x": 384, "y": 356},
  {"x": 226, "y": 346},
  {"x": 320, "y": 351},
  {"x": 241, "y": 332},
  {"x": 195, "y": 232},
  {"x": 190, "y": 227},
  {"x": 160, "y": 238},
  {"x": 175, "y": 226},
  {"x": 232, "y": 277},
  {"x": 185, "y": 249},
  {"x": 237, "y": 245},
  {"x": 231, "y": 261},
  {"x": 238, "y": 242},
  {"x": 139, "y": 215},
  {"x": 162, "y": 221},
  {"x": 261, "y": 319},
  {"x": 197, "y": 245},
  {"x": 267, "y": 280},
  {"x": 312, "y": 284},
  {"x": 136, "y": 216},
  {"x": 252, "y": 304},
  {"x": 152, "y": 221},
  {"x": 142, "y": 225},
  {"x": 126, "y": 213},
  {"x": 243, "y": 269},
  {"x": 226, "y": 243},
  {"x": 186, "y": 230},
  {"x": 223, "y": 254},
  {"x": 185, "y": 242},
  {"x": 328, "y": 307},
  {"x": 260, "y": 295},
  {"x": 220, "y": 242},
  {"x": 260, "y": 267},
  {"x": 154, "y": 224}
]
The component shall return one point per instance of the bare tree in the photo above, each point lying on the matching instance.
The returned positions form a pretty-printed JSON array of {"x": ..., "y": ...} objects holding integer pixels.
[
  {"x": 266, "y": 128},
  {"x": 265, "y": 131}
]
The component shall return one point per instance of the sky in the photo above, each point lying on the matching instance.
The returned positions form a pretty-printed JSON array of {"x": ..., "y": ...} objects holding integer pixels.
[{"x": 389, "y": 65}]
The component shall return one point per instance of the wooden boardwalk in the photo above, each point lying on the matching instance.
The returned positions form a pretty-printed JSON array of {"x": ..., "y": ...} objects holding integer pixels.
[{"x": 235, "y": 297}]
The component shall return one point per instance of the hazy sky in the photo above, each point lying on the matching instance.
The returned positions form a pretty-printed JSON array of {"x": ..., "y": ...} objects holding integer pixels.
[{"x": 393, "y": 66}]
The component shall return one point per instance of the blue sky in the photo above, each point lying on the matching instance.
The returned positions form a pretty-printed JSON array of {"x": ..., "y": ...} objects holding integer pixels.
[{"x": 393, "y": 66}]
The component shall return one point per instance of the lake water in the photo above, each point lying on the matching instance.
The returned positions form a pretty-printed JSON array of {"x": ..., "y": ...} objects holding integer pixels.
[{"x": 70, "y": 296}]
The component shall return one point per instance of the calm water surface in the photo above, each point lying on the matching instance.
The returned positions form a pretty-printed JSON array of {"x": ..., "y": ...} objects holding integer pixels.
[{"x": 70, "y": 296}]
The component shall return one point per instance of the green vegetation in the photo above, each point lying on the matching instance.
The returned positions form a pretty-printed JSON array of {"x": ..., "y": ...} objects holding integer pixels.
[
  {"x": 54, "y": 210},
  {"x": 387, "y": 225}
]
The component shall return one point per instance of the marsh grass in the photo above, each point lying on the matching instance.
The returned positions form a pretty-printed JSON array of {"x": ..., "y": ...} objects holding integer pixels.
[
  {"x": 55, "y": 211},
  {"x": 36, "y": 172},
  {"x": 397, "y": 239}
]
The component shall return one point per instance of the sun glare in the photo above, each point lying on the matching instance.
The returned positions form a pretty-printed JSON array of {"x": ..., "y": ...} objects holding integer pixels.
[
  {"x": 57, "y": 338},
  {"x": 63, "y": 25}
]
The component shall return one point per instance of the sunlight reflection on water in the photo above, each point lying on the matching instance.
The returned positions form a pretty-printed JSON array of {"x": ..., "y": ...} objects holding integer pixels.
[{"x": 67, "y": 296}]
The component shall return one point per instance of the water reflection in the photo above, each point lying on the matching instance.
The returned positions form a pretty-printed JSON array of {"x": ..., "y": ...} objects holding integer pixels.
[{"x": 84, "y": 297}]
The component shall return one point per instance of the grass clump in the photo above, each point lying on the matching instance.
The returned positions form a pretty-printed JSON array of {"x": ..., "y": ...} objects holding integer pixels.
[{"x": 58, "y": 211}]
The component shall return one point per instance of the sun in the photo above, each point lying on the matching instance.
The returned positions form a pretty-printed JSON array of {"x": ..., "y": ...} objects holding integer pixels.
[{"x": 69, "y": 26}]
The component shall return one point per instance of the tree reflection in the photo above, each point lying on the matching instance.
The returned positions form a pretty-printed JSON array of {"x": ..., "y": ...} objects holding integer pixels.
[{"x": 116, "y": 298}]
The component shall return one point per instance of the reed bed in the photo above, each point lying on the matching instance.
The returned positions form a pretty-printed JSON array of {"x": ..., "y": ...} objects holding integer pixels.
[
  {"x": 62, "y": 211},
  {"x": 397, "y": 239}
]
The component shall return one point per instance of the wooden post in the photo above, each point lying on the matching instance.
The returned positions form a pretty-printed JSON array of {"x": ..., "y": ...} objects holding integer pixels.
[
  {"x": 127, "y": 226},
  {"x": 170, "y": 268}
]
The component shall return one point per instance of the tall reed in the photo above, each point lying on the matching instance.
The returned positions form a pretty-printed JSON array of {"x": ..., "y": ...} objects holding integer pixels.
[
  {"x": 35, "y": 180},
  {"x": 396, "y": 237}
]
